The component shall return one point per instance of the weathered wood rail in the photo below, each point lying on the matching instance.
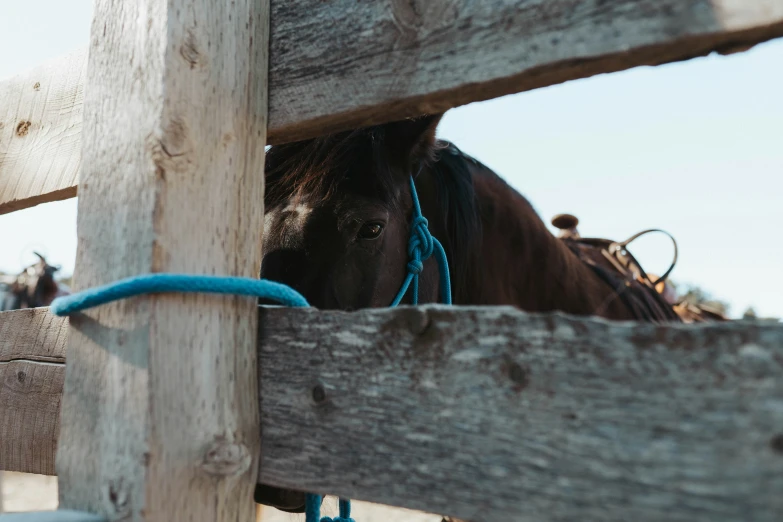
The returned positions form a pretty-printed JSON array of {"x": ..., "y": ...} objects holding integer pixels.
[
  {"x": 575, "y": 418},
  {"x": 340, "y": 64},
  {"x": 32, "y": 373}
]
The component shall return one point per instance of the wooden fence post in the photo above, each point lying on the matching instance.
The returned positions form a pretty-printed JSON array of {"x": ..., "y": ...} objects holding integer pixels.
[{"x": 160, "y": 412}]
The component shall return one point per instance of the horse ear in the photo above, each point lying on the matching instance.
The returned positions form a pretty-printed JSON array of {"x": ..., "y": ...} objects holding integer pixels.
[{"x": 413, "y": 140}]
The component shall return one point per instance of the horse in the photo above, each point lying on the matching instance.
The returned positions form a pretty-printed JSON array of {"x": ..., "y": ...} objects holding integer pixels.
[
  {"x": 34, "y": 287},
  {"x": 338, "y": 211}
]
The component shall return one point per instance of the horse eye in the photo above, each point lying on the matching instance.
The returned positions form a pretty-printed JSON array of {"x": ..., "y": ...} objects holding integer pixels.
[{"x": 370, "y": 231}]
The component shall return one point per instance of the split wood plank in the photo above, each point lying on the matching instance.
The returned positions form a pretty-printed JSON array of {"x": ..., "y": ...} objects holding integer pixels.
[
  {"x": 40, "y": 133},
  {"x": 32, "y": 372}
]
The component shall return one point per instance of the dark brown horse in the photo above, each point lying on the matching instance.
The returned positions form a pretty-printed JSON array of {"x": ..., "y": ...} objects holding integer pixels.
[
  {"x": 35, "y": 286},
  {"x": 337, "y": 224}
]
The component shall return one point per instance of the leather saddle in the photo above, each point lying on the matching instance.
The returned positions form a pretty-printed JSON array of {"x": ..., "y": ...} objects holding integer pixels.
[{"x": 648, "y": 297}]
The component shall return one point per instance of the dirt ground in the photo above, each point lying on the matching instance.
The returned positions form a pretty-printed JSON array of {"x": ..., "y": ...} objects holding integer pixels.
[{"x": 26, "y": 492}]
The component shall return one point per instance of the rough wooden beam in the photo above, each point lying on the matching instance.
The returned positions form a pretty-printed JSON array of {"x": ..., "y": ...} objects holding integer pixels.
[
  {"x": 32, "y": 371},
  {"x": 342, "y": 64},
  {"x": 524, "y": 417},
  {"x": 40, "y": 133},
  {"x": 160, "y": 411},
  {"x": 494, "y": 415}
]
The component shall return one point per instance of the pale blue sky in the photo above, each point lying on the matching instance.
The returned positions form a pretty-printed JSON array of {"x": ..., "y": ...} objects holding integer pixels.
[{"x": 695, "y": 148}]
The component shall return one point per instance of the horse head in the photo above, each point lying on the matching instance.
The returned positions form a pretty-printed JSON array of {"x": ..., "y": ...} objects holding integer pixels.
[{"x": 338, "y": 211}]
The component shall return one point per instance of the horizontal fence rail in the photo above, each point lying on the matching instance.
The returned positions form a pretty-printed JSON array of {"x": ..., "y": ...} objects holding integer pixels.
[
  {"x": 40, "y": 133},
  {"x": 341, "y": 64},
  {"x": 486, "y": 413},
  {"x": 32, "y": 373}
]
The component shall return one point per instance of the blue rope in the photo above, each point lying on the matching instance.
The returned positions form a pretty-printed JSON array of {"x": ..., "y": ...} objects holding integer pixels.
[
  {"x": 159, "y": 283},
  {"x": 313, "y": 510},
  {"x": 421, "y": 246}
]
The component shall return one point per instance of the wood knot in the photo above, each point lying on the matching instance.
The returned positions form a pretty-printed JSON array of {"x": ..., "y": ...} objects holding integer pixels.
[
  {"x": 519, "y": 376},
  {"x": 417, "y": 19},
  {"x": 226, "y": 459},
  {"x": 37, "y": 86},
  {"x": 21, "y": 376},
  {"x": 190, "y": 52},
  {"x": 318, "y": 394},
  {"x": 118, "y": 498},
  {"x": 418, "y": 320},
  {"x": 777, "y": 443},
  {"x": 23, "y": 127},
  {"x": 171, "y": 149}
]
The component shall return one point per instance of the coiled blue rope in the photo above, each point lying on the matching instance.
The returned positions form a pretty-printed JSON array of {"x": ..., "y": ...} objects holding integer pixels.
[
  {"x": 421, "y": 246},
  {"x": 160, "y": 283}
]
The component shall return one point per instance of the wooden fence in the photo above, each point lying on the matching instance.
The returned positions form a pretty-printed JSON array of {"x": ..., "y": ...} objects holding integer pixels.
[{"x": 487, "y": 414}]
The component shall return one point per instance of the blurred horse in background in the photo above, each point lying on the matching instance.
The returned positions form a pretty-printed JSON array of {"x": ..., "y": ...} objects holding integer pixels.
[{"x": 34, "y": 287}]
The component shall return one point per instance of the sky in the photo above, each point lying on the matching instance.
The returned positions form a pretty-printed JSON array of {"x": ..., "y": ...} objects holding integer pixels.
[{"x": 695, "y": 148}]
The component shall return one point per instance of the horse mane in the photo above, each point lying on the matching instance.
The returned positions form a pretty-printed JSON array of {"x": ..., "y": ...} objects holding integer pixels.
[
  {"x": 456, "y": 200},
  {"x": 318, "y": 167}
]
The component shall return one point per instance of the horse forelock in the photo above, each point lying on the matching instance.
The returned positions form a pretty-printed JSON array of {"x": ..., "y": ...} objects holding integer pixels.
[{"x": 316, "y": 170}]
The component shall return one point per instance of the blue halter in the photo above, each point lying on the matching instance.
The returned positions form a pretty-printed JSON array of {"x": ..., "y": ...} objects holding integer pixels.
[{"x": 421, "y": 245}]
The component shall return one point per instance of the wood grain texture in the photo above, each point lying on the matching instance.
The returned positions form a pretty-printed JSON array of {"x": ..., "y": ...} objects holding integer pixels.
[
  {"x": 32, "y": 371},
  {"x": 40, "y": 133},
  {"x": 490, "y": 414},
  {"x": 342, "y": 64},
  {"x": 520, "y": 417},
  {"x": 160, "y": 411},
  {"x": 32, "y": 334}
]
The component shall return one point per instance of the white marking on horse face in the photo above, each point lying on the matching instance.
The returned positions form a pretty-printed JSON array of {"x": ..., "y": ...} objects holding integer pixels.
[
  {"x": 299, "y": 214},
  {"x": 295, "y": 218},
  {"x": 269, "y": 219}
]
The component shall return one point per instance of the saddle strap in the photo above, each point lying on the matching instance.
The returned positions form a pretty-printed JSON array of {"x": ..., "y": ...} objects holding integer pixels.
[
  {"x": 625, "y": 275},
  {"x": 622, "y": 248}
]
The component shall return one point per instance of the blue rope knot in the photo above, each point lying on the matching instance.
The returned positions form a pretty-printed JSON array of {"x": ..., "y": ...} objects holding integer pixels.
[
  {"x": 415, "y": 266},
  {"x": 421, "y": 246}
]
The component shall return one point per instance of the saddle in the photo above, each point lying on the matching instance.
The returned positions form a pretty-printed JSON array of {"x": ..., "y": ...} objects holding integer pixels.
[{"x": 648, "y": 298}]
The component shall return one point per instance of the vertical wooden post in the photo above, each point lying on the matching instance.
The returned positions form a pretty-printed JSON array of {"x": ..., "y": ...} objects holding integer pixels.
[{"x": 160, "y": 412}]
